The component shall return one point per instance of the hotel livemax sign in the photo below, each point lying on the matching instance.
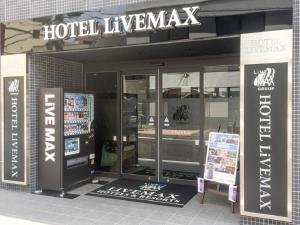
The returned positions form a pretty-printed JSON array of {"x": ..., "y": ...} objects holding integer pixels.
[
  {"x": 123, "y": 24},
  {"x": 266, "y": 124},
  {"x": 13, "y": 153}
]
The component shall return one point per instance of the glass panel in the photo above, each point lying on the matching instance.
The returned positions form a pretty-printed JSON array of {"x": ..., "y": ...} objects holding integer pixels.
[
  {"x": 181, "y": 125},
  {"x": 139, "y": 124},
  {"x": 222, "y": 99},
  {"x": 104, "y": 87}
]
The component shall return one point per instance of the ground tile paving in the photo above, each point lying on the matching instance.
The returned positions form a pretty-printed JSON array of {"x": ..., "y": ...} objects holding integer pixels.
[{"x": 89, "y": 210}]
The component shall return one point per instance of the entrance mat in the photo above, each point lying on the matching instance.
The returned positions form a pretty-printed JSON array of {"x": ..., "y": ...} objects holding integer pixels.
[
  {"x": 141, "y": 191},
  {"x": 170, "y": 174},
  {"x": 56, "y": 194}
]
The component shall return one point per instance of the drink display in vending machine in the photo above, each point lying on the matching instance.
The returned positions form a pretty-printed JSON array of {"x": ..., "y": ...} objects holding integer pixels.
[
  {"x": 78, "y": 134},
  {"x": 78, "y": 113}
]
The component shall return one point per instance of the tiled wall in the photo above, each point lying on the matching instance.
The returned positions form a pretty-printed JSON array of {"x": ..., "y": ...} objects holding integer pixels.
[
  {"x": 23, "y": 9},
  {"x": 245, "y": 220},
  {"x": 296, "y": 113},
  {"x": 46, "y": 72}
]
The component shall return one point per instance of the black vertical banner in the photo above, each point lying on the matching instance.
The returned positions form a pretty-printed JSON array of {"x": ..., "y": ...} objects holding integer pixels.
[
  {"x": 50, "y": 129},
  {"x": 265, "y": 139},
  {"x": 13, "y": 151}
]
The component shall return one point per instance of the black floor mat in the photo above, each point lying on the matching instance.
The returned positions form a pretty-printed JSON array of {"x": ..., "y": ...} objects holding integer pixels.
[
  {"x": 170, "y": 174},
  {"x": 141, "y": 191}
]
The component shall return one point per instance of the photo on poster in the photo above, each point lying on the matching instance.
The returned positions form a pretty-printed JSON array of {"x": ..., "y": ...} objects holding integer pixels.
[{"x": 222, "y": 158}]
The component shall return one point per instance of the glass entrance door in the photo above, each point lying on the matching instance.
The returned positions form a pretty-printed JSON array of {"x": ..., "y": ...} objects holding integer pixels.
[
  {"x": 139, "y": 125},
  {"x": 107, "y": 124},
  {"x": 181, "y": 113},
  {"x": 167, "y": 116}
]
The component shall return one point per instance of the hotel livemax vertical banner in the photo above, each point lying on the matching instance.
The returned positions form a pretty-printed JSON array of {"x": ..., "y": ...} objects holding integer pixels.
[
  {"x": 13, "y": 119},
  {"x": 266, "y": 124},
  {"x": 13, "y": 154}
]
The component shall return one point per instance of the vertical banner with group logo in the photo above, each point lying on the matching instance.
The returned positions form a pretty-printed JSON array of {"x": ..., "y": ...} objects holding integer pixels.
[
  {"x": 13, "y": 154},
  {"x": 13, "y": 119},
  {"x": 266, "y": 72}
]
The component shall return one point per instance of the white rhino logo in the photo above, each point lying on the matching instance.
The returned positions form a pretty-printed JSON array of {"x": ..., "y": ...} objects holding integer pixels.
[
  {"x": 265, "y": 78},
  {"x": 14, "y": 86}
]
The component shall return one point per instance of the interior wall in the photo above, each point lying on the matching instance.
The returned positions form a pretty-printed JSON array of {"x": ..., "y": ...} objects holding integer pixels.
[{"x": 46, "y": 72}]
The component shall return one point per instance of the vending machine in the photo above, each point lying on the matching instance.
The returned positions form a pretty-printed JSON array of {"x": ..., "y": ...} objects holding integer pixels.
[{"x": 67, "y": 157}]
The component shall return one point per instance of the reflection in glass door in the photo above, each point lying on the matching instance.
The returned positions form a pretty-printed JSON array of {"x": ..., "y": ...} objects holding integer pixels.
[
  {"x": 222, "y": 100},
  {"x": 107, "y": 129},
  {"x": 181, "y": 122},
  {"x": 139, "y": 125}
]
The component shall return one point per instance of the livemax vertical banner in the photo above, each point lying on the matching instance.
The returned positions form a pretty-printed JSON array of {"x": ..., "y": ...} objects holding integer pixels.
[
  {"x": 13, "y": 141},
  {"x": 265, "y": 98},
  {"x": 266, "y": 152},
  {"x": 51, "y": 141}
]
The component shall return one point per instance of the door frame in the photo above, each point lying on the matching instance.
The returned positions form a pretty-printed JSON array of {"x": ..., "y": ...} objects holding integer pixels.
[
  {"x": 158, "y": 72},
  {"x": 118, "y": 131},
  {"x": 139, "y": 72},
  {"x": 182, "y": 68},
  {"x": 167, "y": 66}
]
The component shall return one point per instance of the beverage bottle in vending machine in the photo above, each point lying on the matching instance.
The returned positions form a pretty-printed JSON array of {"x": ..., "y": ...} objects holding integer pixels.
[{"x": 76, "y": 101}]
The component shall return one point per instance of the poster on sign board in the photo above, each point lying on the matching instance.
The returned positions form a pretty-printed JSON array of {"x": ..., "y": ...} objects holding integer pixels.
[{"x": 222, "y": 158}]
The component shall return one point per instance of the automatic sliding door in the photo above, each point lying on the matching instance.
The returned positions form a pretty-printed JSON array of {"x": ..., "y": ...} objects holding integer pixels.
[
  {"x": 181, "y": 125},
  {"x": 139, "y": 125}
]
